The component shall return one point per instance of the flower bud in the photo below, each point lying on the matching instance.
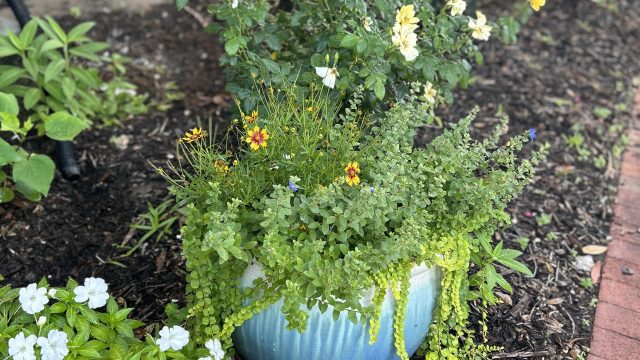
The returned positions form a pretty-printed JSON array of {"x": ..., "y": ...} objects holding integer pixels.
[{"x": 41, "y": 321}]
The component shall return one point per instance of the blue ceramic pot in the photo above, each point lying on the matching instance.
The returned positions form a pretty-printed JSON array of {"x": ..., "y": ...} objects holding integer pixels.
[{"x": 265, "y": 337}]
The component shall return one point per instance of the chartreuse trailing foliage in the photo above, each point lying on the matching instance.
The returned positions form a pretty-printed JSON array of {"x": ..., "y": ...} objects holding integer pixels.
[{"x": 331, "y": 205}]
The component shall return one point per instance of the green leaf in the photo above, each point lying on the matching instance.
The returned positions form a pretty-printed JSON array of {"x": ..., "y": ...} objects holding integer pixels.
[
  {"x": 31, "y": 66},
  {"x": 15, "y": 40},
  {"x": 57, "y": 30},
  {"x": 9, "y": 104},
  {"x": 11, "y": 75},
  {"x": 491, "y": 276},
  {"x": 51, "y": 44},
  {"x": 515, "y": 265},
  {"x": 36, "y": 172},
  {"x": 181, "y": 4},
  {"x": 6, "y": 195},
  {"x": 63, "y": 126},
  {"x": 27, "y": 192},
  {"x": 349, "y": 41},
  {"x": 54, "y": 69},
  {"x": 28, "y": 33},
  {"x": 31, "y": 98},
  {"x": 379, "y": 90},
  {"x": 7, "y": 49},
  {"x": 232, "y": 45},
  {"x": 78, "y": 32},
  {"x": 68, "y": 87},
  {"x": 58, "y": 308},
  {"x": 89, "y": 50}
]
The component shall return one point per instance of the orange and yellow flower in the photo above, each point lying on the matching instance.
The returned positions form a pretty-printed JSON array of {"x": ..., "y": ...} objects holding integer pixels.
[
  {"x": 250, "y": 119},
  {"x": 537, "y": 4},
  {"x": 257, "y": 138},
  {"x": 195, "y": 135},
  {"x": 352, "y": 170}
]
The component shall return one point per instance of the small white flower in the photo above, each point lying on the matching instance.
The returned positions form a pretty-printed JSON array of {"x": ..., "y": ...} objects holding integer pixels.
[
  {"x": 174, "y": 337},
  {"x": 457, "y": 7},
  {"x": 481, "y": 30},
  {"x": 52, "y": 293},
  {"x": 33, "y": 299},
  {"x": 406, "y": 40},
  {"x": 54, "y": 346},
  {"x": 328, "y": 75},
  {"x": 366, "y": 23},
  {"x": 41, "y": 321},
  {"x": 430, "y": 93},
  {"x": 94, "y": 290},
  {"x": 21, "y": 348},
  {"x": 234, "y": 4},
  {"x": 215, "y": 349}
]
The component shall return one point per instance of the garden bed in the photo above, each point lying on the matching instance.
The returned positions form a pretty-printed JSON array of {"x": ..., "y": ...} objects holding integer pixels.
[{"x": 572, "y": 61}]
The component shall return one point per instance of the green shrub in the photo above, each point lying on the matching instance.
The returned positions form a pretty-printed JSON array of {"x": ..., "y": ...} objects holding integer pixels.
[{"x": 332, "y": 205}]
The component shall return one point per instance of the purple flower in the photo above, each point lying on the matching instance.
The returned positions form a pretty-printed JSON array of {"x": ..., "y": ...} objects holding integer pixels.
[
  {"x": 292, "y": 185},
  {"x": 532, "y": 134}
]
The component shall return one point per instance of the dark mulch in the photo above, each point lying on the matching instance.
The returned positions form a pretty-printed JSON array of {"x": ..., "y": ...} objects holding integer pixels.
[{"x": 571, "y": 58}]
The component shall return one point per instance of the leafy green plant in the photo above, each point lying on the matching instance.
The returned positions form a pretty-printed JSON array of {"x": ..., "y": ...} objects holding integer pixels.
[
  {"x": 543, "y": 219},
  {"x": 364, "y": 43},
  {"x": 342, "y": 204},
  {"x": 31, "y": 174},
  {"x": 156, "y": 221},
  {"x": 66, "y": 322}
]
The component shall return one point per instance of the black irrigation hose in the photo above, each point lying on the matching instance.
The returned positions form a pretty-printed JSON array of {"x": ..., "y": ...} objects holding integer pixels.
[{"x": 65, "y": 153}]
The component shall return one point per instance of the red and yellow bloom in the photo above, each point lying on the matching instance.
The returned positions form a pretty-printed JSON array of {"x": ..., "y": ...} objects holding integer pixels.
[
  {"x": 257, "y": 138},
  {"x": 250, "y": 119},
  {"x": 352, "y": 170},
  {"x": 195, "y": 135}
]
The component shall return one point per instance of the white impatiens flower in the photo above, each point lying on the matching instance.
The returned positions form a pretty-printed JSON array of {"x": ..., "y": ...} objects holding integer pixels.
[
  {"x": 328, "y": 75},
  {"x": 234, "y": 3},
  {"x": 481, "y": 30},
  {"x": 215, "y": 349},
  {"x": 21, "y": 348},
  {"x": 366, "y": 23},
  {"x": 94, "y": 290},
  {"x": 52, "y": 293},
  {"x": 54, "y": 346},
  {"x": 174, "y": 337},
  {"x": 430, "y": 93},
  {"x": 41, "y": 321},
  {"x": 406, "y": 41},
  {"x": 33, "y": 299},
  {"x": 457, "y": 7}
]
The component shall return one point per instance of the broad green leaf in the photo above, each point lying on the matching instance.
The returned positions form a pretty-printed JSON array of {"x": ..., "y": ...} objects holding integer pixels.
[
  {"x": 15, "y": 40},
  {"x": 36, "y": 172},
  {"x": 9, "y": 104},
  {"x": 232, "y": 45},
  {"x": 89, "y": 50},
  {"x": 515, "y": 265},
  {"x": 31, "y": 66},
  {"x": 491, "y": 276},
  {"x": 31, "y": 98},
  {"x": 54, "y": 69},
  {"x": 6, "y": 49},
  {"x": 27, "y": 192},
  {"x": 63, "y": 126},
  {"x": 379, "y": 90},
  {"x": 10, "y": 122},
  {"x": 8, "y": 153},
  {"x": 68, "y": 87},
  {"x": 11, "y": 75},
  {"x": 50, "y": 44},
  {"x": 57, "y": 30},
  {"x": 6, "y": 195}
]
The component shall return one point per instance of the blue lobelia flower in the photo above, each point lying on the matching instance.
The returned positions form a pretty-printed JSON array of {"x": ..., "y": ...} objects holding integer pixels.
[
  {"x": 292, "y": 185},
  {"x": 532, "y": 134}
]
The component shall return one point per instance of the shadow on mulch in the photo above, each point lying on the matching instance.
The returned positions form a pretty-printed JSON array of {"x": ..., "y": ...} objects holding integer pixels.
[{"x": 572, "y": 60}]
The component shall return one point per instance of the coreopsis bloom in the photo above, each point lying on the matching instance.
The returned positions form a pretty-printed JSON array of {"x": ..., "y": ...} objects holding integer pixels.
[
  {"x": 175, "y": 337},
  {"x": 257, "y": 138},
  {"x": 537, "y": 4},
  {"x": 366, "y": 23},
  {"x": 430, "y": 93},
  {"x": 33, "y": 299},
  {"x": 21, "y": 347},
  {"x": 532, "y": 134},
  {"x": 479, "y": 27},
  {"x": 406, "y": 16},
  {"x": 352, "y": 170},
  {"x": 234, "y": 4},
  {"x": 195, "y": 135},
  {"x": 94, "y": 290},
  {"x": 54, "y": 346},
  {"x": 221, "y": 166},
  {"x": 215, "y": 349},
  {"x": 406, "y": 41},
  {"x": 328, "y": 75},
  {"x": 457, "y": 7},
  {"x": 250, "y": 119}
]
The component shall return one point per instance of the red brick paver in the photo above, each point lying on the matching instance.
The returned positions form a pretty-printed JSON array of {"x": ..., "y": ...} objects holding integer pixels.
[{"x": 616, "y": 330}]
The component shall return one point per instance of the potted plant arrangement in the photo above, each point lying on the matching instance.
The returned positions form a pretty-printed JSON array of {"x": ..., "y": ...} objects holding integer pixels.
[{"x": 326, "y": 231}]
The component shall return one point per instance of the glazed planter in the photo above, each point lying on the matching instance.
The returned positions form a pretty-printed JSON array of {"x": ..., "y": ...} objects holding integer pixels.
[{"x": 265, "y": 336}]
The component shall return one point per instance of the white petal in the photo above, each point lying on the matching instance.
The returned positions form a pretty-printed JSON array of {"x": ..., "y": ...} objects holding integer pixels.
[
  {"x": 322, "y": 71},
  {"x": 163, "y": 344},
  {"x": 82, "y": 294},
  {"x": 329, "y": 81},
  {"x": 234, "y": 4}
]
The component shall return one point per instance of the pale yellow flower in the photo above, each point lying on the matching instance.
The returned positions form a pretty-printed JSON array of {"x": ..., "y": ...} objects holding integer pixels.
[
  {"x": 366, "y": 23},
  {"x": 328, "y": 75},
  {"x": 406, "y": 16},
  {"x": 406, "y": 41},
  {"x": 479, "y": 27},
  {"x": 430, "y": 93},
  {"x": 457, "y": 7}
]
